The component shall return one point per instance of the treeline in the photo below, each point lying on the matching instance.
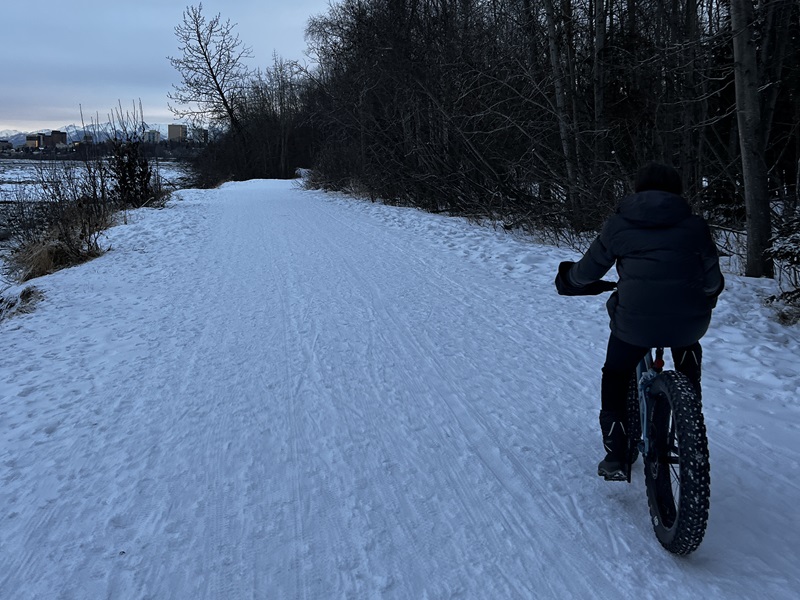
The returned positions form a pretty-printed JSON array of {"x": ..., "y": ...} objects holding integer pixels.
[
  {"x": 273, "y": 132},
  {"x": 536, "y": 113}
]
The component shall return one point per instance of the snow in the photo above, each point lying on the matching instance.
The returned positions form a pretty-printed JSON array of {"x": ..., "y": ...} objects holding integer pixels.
[
  {"x": 266, "y": 392},
  {"x": 18, "y": 173}
]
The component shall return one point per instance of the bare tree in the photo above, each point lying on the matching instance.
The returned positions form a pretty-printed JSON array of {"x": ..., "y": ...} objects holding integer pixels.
[
  {"x": 212, "y": 68},
  {"x": 758, "y": 62},
  {"x": 561, "y": 92}
]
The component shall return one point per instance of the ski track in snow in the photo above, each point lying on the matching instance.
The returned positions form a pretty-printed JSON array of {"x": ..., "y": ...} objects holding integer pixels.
[{"x": 264, "y": 392}]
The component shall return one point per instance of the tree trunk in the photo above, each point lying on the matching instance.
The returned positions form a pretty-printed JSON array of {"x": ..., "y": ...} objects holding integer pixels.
[
  {"x": 754, "y": 168},
  {"x": 601, "y": 154},
  {"x": 556, "y": 62}
]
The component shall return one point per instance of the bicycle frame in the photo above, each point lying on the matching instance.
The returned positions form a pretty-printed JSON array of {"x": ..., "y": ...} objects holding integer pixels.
[{"x": 647, "y": 370}]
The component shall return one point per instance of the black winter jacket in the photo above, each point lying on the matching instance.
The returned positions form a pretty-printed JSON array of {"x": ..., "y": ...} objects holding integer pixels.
[{"x": 669, "y": 276}]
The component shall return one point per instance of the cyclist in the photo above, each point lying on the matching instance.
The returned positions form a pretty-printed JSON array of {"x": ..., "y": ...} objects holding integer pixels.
[{"x": 669, "y": 280}]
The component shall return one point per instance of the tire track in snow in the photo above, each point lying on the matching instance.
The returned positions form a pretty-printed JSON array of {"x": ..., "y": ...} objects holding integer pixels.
[
  {"x": 381, "y": 466},
  {"x": 291, "y": 394},
  {"x": 427, "y": 350},
  {"x": 306, "y": 329},
  {"x": 210, "y": 460},
  {"x": 355, "y": 431},
  {"x": 474, "y": 428}
]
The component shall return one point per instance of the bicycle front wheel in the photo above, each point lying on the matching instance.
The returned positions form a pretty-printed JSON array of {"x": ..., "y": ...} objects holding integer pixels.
[{"x": 677, "y": 473}]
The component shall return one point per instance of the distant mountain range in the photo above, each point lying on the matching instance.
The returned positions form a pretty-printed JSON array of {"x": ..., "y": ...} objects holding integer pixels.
[{"x": 75, "y": 133}]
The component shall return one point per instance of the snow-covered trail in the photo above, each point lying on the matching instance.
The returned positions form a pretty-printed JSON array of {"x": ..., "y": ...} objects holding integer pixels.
[{"x": 263, "y": 392}]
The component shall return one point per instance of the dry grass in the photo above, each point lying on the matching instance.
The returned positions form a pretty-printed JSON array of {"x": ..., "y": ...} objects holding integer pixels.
[
  {"x": 18, "y": 300},
  {"x": 39, "y": 258}
]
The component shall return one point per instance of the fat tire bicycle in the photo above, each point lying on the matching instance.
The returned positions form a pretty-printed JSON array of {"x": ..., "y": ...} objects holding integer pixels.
[{"x": 666, "y": 426}]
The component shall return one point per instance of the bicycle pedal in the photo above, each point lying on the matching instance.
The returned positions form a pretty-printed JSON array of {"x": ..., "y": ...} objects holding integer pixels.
[{"x": 613, "y": 475}]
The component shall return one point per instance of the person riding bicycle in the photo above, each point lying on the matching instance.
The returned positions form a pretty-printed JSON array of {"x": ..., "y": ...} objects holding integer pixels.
[{"x": 669, "y": 281}]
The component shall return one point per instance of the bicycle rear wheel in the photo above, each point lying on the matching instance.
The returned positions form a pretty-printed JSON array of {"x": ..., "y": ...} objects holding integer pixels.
[{"x": 676, "y": 467}]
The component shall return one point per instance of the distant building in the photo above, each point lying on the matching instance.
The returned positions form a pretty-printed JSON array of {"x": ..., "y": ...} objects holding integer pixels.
[
  {"x": 6, "y": 145},
  {"x": 176, "y": 133},
  {"x": 62, "y": 137},
  {"x": 152, "y": 136},
  {"x": 199, "y": 135},
  {"x": 54, "y": 139}
]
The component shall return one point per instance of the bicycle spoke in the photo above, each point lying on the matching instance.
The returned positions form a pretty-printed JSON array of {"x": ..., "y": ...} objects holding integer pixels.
[
  {"x": 675, "y": 471},
  {"x": 674, "y": 461}
]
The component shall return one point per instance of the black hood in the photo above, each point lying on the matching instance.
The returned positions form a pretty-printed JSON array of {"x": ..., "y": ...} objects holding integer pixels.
[{"x": 654, "y": 209}]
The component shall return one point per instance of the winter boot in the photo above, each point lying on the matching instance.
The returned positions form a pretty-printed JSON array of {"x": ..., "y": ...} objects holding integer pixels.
[{"x": 614, "y": 467}]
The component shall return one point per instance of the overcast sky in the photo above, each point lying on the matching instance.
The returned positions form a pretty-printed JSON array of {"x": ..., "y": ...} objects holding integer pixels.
[{"x": 59, "y": 55}]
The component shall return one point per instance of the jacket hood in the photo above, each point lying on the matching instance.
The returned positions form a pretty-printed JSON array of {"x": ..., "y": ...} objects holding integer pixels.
[{"x": 654, "y": 209}]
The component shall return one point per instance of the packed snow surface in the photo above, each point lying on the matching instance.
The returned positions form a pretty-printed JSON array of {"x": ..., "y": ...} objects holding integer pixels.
[{"x": 265, "y": 392}]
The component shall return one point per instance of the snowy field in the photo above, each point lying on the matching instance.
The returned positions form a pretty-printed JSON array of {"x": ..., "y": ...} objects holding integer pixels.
[
  {"x": 16, "y": 172},
  {"x": 264, "y": 392}
]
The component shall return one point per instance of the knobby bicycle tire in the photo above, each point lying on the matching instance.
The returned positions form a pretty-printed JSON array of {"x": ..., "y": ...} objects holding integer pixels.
[
  {"x": 677, "y": 462},
  {"x": 634, "y": 425}
]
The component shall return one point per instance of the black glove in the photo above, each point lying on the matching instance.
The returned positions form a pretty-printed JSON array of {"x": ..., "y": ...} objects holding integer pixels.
[{"x": 565, "y": 288}]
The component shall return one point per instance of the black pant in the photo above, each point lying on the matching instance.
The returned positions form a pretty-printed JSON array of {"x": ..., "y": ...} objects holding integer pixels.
[{"x": 621, "y": 361}]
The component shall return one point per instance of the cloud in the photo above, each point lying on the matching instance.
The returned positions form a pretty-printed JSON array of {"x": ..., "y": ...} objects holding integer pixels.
[{"x": 59, "y": 55}]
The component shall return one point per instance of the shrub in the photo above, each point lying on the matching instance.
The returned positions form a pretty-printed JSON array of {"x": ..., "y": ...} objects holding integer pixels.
[
  {"x": 18, "y": 300},
  {"x": 785, "y": 251},
  {"x": 59, "y": 220},
  {"x": 132, "y": 175}
]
